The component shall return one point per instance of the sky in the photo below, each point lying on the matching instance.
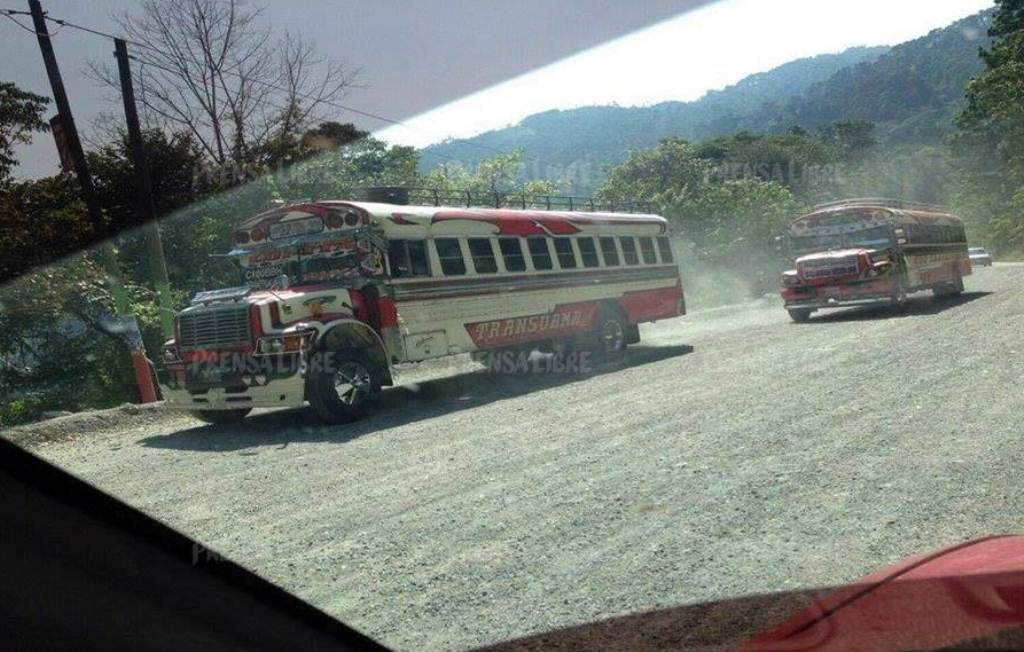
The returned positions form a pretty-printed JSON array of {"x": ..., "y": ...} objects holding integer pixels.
[
  {"x": 411, "y": 55},
  {"x": 459, "y": 67},
  {"x": 684, "y": 57}
]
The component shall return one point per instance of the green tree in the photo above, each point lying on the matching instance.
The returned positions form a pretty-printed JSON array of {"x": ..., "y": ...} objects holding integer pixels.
[
  {"x": 58, "y": 347},
  {"x": 41, "y": 220},
  {"x": 852, "y": 139},
  {"x": 20, "y": 114},
  {"x": 990, "y": 140},
  {"x": 668, "y": 173},
  {"x": 498, "y": 179},
  {"x": 724, "y": 225}
]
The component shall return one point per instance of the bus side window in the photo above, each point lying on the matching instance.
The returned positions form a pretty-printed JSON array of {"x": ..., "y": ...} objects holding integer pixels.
[
  {"x": 512, "y": 254},
  {"x": 398, "y": 259},
  {"x": 566, "y": 256},
  {"x": 665, "y": 249},
  {"x": 647, "y": 251},
  {"x": 450, "y": 254},
  {"x": 483, "y": 255},
  {"x": 588, "y": 252},
  {"x": 418, "y": 262},
  {"x": 611, "y": 254},
  {"x": 539, "y": 253},
  {"x": 408, "y": 258},
  {"x": 629, "y": 250}
]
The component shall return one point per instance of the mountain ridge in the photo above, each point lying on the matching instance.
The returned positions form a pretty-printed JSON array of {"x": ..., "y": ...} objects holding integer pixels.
[{"x": 911, "y": 90}]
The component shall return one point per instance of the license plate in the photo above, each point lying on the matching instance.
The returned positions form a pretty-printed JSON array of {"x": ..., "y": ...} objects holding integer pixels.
[{"x": 210, "y": 374}]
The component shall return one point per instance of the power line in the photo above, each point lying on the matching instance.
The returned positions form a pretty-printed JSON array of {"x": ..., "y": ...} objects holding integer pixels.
[
  {"x": 10, "y": 15},
  {"x": 344, "y": 107},
  {"x": 337, "y": 105}
]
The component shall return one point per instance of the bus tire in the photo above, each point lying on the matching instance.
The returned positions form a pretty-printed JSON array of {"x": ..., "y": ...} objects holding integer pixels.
[
  {"x": 957, "y": 289},
  {"x": 633, "y": 334},
  {"x": 957, "y": 286},
  {"x": 899, "y": 295},
  {"x": 213, "y": 417},
  {"x": 341, "y": 388},
  {"x": 609, "y": 338},
  {"x": 800, "y": 315},
  {"x": 953, "y": 288}
]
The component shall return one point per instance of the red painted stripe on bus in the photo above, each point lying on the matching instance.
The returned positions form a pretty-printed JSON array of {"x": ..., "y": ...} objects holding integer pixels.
[
  {"x": 565, "y": 320},
  {"x": 388, "y": 313},
  {"x": 649, "y": 305}
]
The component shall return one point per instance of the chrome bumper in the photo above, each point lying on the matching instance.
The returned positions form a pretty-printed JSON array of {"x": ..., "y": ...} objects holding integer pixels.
[
  {"x": 841, "y": 302},
  {"x": 280, "y": 392}
]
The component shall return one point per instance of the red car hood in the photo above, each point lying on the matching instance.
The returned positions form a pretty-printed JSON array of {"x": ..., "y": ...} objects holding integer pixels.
[
  {"x": 959, "y": 594},
  {"x": 969, "y": 596}
]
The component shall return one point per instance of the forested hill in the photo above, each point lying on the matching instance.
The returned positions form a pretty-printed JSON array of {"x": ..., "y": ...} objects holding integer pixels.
[
  {"x": 603, "y": 135},
  {"x": 912, "y": 90}
]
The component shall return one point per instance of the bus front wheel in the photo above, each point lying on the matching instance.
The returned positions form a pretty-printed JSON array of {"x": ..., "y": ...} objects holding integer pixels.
[
  {"x": 342, "y": 385},
  {"x": 800, "y": 315}
]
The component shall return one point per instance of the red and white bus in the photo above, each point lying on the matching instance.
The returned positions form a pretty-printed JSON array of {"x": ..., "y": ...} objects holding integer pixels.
[
  {"x": 336, "y": 292},
  {"x": 862, "y": 251}
]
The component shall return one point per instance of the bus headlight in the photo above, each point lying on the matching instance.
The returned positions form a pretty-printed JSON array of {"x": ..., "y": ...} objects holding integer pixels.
[
  {"x": 880, "y": 268},
  {"x": 790, "y": 279},
  {"x": 290, "y": 343},
  {"x": 170, "y": 354}
]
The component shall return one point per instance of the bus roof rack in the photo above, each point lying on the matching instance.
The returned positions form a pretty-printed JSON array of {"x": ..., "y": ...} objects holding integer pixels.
[
  {"x": 882, "y": 201},
  {"x": 487, "y": 199}
]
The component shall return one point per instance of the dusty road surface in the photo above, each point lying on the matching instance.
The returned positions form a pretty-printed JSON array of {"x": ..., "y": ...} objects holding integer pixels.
[{"x": 733, "y": 453}]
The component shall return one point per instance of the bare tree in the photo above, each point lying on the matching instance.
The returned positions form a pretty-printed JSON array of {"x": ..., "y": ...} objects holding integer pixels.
[{"x": 213, "y": 68}]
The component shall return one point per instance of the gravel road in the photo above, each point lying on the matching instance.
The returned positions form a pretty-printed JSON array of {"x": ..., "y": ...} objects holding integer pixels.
[{"x": 732, "y": 453}]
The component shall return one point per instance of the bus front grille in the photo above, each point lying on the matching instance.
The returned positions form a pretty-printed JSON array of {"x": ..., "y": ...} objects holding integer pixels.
[
  {"x": 828, "y": 268},
  {"x": 215, "y": 327}
]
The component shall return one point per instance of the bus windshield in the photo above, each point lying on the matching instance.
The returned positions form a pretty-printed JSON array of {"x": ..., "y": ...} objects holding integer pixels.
[
  {"x": 878, "y": 237},
  {"x": 313, "y": 269}
]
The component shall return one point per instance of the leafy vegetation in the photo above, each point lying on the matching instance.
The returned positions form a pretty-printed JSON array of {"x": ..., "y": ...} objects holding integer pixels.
[
  {"x": 990, "y": 143},
  {"x": 574, "y": 147},
  {"x": 21, "y": 113}
]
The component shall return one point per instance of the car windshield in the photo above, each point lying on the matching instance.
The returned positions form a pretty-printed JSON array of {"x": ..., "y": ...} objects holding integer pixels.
[{"x": 471, "y": 321}]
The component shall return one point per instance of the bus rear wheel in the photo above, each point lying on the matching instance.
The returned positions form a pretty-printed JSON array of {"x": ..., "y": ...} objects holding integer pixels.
[
  {"x": 952, "y": 289},
  {"x": 610, "y": 335},
  {"x": 342, "y": 385},
  {"x": 899, "y": 295},
  {"x": 221, "y": 416}
]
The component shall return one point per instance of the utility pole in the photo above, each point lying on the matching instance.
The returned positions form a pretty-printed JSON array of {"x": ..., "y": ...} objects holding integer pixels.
[
  {"x": 92, "y": 203},
  {"x": 144, "y": 188},
  {"x": 127, "y": 325}
]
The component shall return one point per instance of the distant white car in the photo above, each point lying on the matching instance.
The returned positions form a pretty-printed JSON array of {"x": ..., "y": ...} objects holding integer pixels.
[{"x": 979, "y": 257}]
